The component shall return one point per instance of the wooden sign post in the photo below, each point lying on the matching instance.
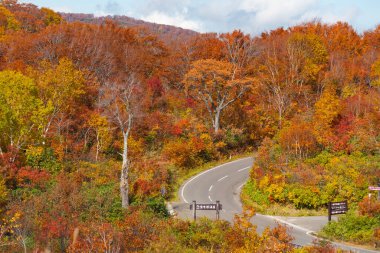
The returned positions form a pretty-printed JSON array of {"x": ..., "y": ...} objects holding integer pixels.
[
  {"x": 337, "y": 208},
  {"x": 217, "y": 207}
]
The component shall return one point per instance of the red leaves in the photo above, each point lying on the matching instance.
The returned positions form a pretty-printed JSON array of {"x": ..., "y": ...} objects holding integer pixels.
[
  {"x": 29, "y": 177},
  {"x": 370, "y": 206},
  {"x": 155, "y": 86}
]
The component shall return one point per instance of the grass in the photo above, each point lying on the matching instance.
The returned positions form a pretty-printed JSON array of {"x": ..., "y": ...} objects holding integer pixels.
[
  {"x": 185, "y": 175},
  {"x": 263, "y": 206}
]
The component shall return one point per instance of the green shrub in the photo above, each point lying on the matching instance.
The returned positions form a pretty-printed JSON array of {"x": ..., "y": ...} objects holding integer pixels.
[
  {"x": 251, "y": 190},
  {"x": 157, "y": 206},
  {"x": 42, "y": 158},
  {"x": 352, "y": 227}
]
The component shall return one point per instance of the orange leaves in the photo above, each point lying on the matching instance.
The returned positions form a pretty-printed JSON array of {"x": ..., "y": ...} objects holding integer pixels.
[
  {"x": 96, "y": 237},
  {"x": 298, "y": 139},
  {"x": 370, "y": 206},
  {"x": 208, "y": 75},
  {"x": 216, "y": 84},
  {"x": 180, "y": 127},
  {"x": 243, "y": 237},
  {"x": 188, "y": 153}
]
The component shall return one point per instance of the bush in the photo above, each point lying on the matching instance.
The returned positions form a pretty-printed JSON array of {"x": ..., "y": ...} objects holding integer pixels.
[
  {"x": 352, "y": 227},
  {"x": 370, "y": 207},
  {"x": 157, "y": 206},
  {"x": 251, "y": 190}
]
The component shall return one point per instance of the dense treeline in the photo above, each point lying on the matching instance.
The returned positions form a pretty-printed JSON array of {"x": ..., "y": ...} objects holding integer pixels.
[{"x": 97, "y": 121}]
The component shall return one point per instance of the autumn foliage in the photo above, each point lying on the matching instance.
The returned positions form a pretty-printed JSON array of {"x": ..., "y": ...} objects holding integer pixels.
[{"x": 99, "y": 120}]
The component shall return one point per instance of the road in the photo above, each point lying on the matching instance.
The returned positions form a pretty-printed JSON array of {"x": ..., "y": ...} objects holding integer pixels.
[{"x": 224, "y": 183}]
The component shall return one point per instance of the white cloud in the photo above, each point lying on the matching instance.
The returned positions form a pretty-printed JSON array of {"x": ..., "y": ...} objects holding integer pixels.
[
  {"x": 176, "y": 20},
  {"x": 256, "y": 16}
]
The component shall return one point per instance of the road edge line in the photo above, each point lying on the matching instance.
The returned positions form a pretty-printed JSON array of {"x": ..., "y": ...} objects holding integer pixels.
[
  {"x": 314, "y": 234},
  {"x": 204, "y": 172}
]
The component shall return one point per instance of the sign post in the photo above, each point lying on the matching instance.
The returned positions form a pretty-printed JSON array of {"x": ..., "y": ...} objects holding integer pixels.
[
  {"x": 375, "y": 188},
  {"x": 217, "y": 209},
  {"x": 337, "y": 208},
  {"x": 206, "y": 207},
  {"x": 195, "y": 210}
]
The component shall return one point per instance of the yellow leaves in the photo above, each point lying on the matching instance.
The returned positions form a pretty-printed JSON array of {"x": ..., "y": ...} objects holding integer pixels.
[
  {"x": 375, "y": 73},
  {"x": 34, "y": 152},
  {"x": 3, "y": 193},
  {"x": 20, "y": 107},
  {"x": 264, "y": 182},
  {"x": 349, "y": 91},
  {"x": 136, "y": 147},
  {"x": 100, "y": 126},
  {"x": 327, "y": 109},
  {"x": 220, "y": 145},
  {"x": 8, "y": 225},
  {"x": 51, "y": 17},
  {"x": 61, "y": 84},
  {"x": 310, "y": 46},
  {"x": 7, "y": 21},
  {"x": 307, "y": 52},
  {"x": 298, "y": 138}
]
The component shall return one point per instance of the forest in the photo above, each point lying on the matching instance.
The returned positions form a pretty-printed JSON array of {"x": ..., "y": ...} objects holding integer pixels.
[{"x": 97, "y": 118}]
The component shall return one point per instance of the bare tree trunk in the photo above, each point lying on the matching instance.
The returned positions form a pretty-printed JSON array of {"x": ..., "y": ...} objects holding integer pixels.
[
  {"x": 97, "y": 146},
  {"x": 217, "y": 120},
  {"x": 124, "y": 187}
]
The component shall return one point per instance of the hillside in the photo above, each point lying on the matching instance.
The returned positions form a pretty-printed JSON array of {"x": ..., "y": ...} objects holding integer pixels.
[
  {"x": 100, "y": 124},
  {"x": 165, "y": 32}
]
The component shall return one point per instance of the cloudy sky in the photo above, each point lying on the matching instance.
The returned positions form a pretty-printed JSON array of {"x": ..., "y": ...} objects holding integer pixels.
[{"x": 252, "y": 16}]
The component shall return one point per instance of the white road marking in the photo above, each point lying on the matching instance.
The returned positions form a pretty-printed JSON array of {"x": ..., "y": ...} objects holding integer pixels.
[
  {"x": 209, "y": 197},
  {"x": 307, "y": 231},
  {"x": 210, "y": 188},
  {"x": 312, "y": 233},
  {"x": 244, "y": 169},
  {"x": 241, "y": 186},
  {"x": 204, "y": 172},
  {"x": 220, "y": 179}
]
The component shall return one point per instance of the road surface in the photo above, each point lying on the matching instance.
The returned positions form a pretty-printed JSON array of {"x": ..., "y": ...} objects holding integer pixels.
[{"x": 224, "y": 183}]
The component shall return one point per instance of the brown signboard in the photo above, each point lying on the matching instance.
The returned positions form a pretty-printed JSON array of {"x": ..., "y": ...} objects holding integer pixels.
[{"x": 337, "y": 208}]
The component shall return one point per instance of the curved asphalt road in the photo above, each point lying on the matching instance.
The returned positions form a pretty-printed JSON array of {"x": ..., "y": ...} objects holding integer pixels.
[{"x": 224, "y": 183}]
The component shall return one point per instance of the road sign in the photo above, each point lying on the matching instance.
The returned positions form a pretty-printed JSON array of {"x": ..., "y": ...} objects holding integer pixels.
[
  {"x": 206, "y": 206},
  {"x": 337, "y": 208},
  {"x": 375, "y": 188},
  {"x": 217, "y": 207}
]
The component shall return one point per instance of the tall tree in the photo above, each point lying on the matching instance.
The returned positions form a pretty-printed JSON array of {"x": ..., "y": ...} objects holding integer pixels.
[
  {"x": 118, "y": 101},
  {"x": 59, "y": 88},
  {"x": 21, "y": 111},
  {"x": 216, "y": 84}
]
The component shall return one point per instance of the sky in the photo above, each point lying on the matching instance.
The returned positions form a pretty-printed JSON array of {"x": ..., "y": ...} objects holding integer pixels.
[{"x": 250, "y": 16}]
